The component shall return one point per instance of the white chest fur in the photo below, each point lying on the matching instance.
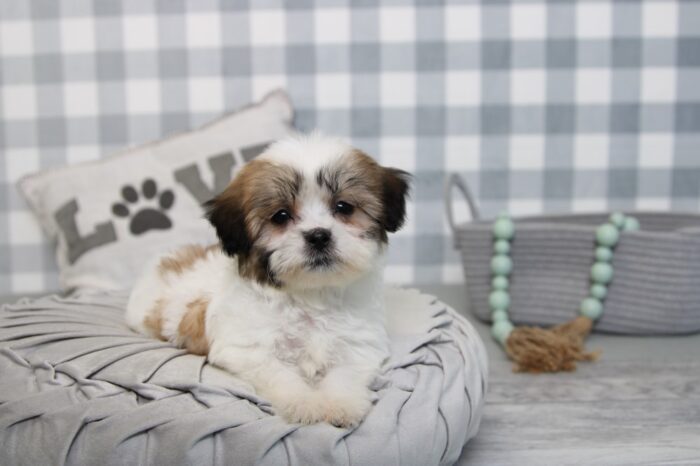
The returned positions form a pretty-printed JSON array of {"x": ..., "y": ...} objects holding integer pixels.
[{"x": 311, "y": 331}]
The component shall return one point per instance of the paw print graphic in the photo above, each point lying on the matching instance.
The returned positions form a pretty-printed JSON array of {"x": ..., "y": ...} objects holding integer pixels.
[{"x": 145, "y": 218}]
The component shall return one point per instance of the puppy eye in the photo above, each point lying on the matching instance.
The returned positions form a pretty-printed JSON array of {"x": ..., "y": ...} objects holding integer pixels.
[
  {"x": 343, "y": 208},
  {"x": 281, "y": 217}
]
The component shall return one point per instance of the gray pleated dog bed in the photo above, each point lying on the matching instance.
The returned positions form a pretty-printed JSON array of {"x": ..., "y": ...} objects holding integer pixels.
[
  {"x": 656, "y": 288},
  {"x": 78, "y": 387}
]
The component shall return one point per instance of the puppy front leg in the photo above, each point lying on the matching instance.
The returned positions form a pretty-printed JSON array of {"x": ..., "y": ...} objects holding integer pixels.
[{"x": 290, "y": 395}]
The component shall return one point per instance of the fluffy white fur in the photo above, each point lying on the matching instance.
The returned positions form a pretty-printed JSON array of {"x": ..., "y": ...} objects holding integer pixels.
[{"x": 310, "y": 346}]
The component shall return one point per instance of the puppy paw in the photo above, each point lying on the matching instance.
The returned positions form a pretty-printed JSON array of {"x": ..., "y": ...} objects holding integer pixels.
[
  {"x": 345, "y": 410},
  {"x": 306, "y": 409},
  {"x": 340, "y": 410}
]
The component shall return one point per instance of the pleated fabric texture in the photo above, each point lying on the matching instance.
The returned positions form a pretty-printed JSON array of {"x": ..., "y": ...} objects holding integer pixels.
[
  {"x": 655, "y": 289},
  {"x": 78, "y": 387}
]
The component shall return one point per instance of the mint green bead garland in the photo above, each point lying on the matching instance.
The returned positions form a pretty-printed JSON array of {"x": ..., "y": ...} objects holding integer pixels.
[
  {"x": 598, "y": 291},
  {"x": 501, "y": 266},
  {"x": 499, "y": 300},
  {"x": 631, "y": 224},
  {"x": 617, "y": 219},
  {"x": 602, "y": 272},
  {"x": 603, "y": 254},
  {"x": 542, "y": 350},
  {"x": 591, "y": 308},
  {"x": 503, "y": 228},
  {"x": 501, "y": 246},
  {"x": 607, "y": 235},
  {"x": 499, "y": 282}
]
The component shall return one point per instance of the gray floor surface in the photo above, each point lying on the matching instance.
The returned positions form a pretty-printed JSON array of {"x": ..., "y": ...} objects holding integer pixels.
[{"x": 639, "y": 404}]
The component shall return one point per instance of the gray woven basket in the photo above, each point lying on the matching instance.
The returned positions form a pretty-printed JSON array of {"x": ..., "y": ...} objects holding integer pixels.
[{"x": 655, "y": 290}]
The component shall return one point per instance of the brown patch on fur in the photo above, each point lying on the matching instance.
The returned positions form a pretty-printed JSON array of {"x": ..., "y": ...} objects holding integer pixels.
[
  {"x": 192, "y": 329},
  {"x": 154, "y": 320},
  {"x": 183, "y": 259},
  {"x": 261, "y": 189},
  {"x": 244, "y": 209},
  {"x": 378, "y": 193}
]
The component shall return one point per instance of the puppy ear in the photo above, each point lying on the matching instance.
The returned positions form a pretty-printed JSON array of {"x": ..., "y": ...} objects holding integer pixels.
[
  {"x": 395, "y": 190},
  {"x": 225, "y": 213}
]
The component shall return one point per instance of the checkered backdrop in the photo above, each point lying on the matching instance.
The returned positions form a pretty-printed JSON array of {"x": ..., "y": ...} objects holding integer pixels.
[{"x": 542, "y": 106}]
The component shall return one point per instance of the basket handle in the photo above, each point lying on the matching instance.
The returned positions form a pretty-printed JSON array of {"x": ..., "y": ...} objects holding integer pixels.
[{"x": 454, "y": 180}]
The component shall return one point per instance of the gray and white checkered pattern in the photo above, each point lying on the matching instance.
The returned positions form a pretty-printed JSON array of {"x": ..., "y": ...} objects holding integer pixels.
[{"x": 543, "y": 106}]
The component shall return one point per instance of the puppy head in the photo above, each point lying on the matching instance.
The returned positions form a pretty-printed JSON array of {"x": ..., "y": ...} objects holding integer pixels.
[{"x": 309, "y": 212}]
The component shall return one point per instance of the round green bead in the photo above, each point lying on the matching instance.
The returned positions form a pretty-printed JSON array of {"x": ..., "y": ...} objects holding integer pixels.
[
  {"x": 602, "y": 272},
  {"x": 603, "y": 254},
  {"x": 599, "y": 291},
  {"x": 501, "y": 329},
  {"x": 501, "y": 265},
  {"x": 499, "y": 299},
  {"x": 501, "y": 246},
  {"x": 607, "y": 235},
  {"x": 499, "y": 282},
  {"x": 499, "y": 315},
  {"x": 591, "y": 308},
  {"x": 631, "y": 224},
  {"x": 617, "y": 219},
  {"x": 503, "y": 228}
]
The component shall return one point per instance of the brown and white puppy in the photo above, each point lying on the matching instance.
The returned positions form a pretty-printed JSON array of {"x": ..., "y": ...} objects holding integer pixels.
[{"x": 291, "y": 300}]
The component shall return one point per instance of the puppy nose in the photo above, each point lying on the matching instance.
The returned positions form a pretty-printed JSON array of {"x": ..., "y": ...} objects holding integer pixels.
[{"x": 318, "y": 237}]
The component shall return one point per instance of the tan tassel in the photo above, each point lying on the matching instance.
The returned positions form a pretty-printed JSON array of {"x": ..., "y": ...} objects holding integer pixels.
[{"x": 556, "y": 349}]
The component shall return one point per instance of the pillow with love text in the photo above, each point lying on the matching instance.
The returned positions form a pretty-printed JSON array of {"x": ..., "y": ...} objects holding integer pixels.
[{"x": 109, "y": 217}]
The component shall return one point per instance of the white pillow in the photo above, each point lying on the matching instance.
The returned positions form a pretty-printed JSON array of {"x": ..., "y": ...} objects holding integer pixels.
[{"x": 110, "y": 216}]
